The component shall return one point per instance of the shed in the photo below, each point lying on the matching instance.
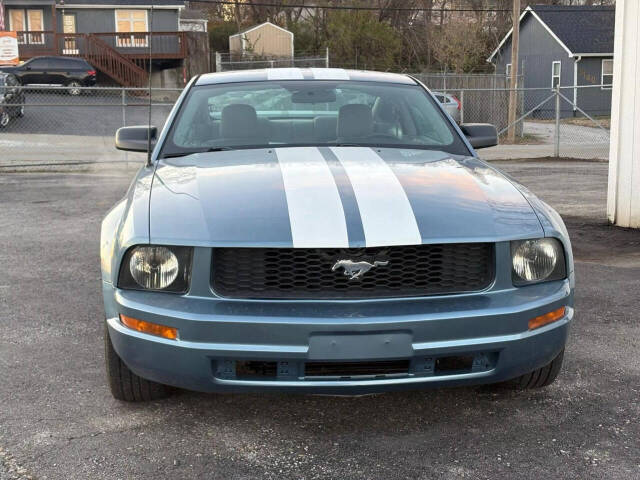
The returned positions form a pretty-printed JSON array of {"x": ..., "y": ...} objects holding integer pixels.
[{"x": 264, "y": 40}]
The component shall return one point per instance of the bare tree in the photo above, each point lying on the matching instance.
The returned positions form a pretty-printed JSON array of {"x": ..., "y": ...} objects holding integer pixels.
[{"x": 435, "y": 34}]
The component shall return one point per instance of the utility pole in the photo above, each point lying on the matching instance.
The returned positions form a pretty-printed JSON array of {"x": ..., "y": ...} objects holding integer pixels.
[{"x": 513, "y": 94}]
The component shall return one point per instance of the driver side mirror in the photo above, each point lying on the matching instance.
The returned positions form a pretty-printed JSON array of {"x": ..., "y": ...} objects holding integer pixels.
[
  {"x": 480, "y": 135},
  {"x": 136, "y": 139}
]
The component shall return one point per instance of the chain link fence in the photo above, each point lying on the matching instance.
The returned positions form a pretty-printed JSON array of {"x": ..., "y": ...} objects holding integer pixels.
[
  {"x": 225, "y": 62},
  {"x": 570, "y": 122},
  {"x": 63, "y": 124},
  {"x": 54, "y": 124}
]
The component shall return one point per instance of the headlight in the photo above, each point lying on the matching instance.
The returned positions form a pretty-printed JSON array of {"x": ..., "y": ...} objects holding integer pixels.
[
  {"x": 537, "y": 261},
  {"x": 154, "y": 267}
]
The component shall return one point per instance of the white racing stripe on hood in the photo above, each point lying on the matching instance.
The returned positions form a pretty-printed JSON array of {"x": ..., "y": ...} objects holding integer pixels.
[
  {"x": 284, "y": 74},
  {"x": 387, "y": 216},
  {"x": 315, "y": 209}
]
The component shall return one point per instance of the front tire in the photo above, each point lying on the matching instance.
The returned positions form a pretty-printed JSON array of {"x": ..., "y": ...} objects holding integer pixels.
[
  {"x": 126, "y": 385},
  {"x": 4, "y": 119},
  {"x": 542, "y": 377}
]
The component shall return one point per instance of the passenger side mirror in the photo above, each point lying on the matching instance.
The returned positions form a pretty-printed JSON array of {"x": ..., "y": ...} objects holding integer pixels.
[
  {"x": 480, "y": 135},
  {"x": 136, "y": 139}
]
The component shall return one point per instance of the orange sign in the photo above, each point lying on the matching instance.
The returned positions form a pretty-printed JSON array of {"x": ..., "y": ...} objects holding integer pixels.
[{"x": 9, "y": 48}]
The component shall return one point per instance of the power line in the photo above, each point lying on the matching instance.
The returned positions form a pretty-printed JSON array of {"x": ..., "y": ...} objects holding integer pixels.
[{"x": 387, "y": 9}]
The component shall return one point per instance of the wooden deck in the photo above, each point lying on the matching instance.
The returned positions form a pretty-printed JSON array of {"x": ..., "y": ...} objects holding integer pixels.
[
  {"x": 164, "y": 45},
  {"x": 119, "y": 55}
]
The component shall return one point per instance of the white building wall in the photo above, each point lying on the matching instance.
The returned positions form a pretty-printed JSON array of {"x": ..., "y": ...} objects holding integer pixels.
[{"x": 623, "y": 206}]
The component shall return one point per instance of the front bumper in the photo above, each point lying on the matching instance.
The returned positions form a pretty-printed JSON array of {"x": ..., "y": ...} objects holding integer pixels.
[{"x": 215, "y": 334}]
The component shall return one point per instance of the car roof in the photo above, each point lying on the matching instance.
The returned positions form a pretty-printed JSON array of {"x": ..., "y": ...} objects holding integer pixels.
[
  {"x": 59, "y": 57},
  {"x": 444, "y": 94},
  {"x": 266, "y": 74}
]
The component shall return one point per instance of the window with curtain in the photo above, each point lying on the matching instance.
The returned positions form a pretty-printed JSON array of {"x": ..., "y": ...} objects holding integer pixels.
[
  {"x": 133, "y": 22},
  {"x": 29, "y": 20},
  {"x": 17, "y": 20}
]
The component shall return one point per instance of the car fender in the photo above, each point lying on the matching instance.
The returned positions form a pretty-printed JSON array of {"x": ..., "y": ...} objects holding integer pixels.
[
  {"x": 552, "y": 224},
  {"x": 125, "y": 225},
  {"x": 550, "y": 220}
]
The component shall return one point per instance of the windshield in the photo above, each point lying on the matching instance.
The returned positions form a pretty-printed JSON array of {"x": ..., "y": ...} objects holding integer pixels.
[{"x": 318, "y": 113}]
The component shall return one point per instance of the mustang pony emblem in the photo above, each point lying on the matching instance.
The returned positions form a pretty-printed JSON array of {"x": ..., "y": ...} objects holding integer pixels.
[{"x": 355, "y": 270}]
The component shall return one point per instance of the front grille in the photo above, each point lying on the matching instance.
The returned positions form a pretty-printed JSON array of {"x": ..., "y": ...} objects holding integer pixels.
[
  {"x": 356, "y": 369},
  {"x": 253, "y": 368},
  {"x": 306, "y": 273},
  {"x": 299, "y": 370}
]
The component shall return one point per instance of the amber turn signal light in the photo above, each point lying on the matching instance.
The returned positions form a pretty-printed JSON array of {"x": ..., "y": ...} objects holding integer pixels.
[
  {"x": 150, "y": 328},
  {"x": 547, "y": 318}
]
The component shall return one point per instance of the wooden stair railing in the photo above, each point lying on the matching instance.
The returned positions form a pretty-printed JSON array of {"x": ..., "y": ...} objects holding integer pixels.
[{"x": 107, "y": 59}]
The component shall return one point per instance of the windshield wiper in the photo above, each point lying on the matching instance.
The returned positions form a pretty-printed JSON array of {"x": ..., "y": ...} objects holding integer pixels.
[
  {"x": 219, "y": 149},
  {"x": 184, "y": 154},
  {"x": 176, "y": 155},
  {"x": 349, "y": 144}
]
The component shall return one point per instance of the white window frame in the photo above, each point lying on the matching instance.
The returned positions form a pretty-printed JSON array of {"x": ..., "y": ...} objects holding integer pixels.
[
  {"x": 131, "y": 39},
  {"x": 559, "y": 75},
  {"x": 36, "y": 39},
  {"x": 507, "y": 70},
  {"x": 602, "y": 83},
  {"x": 12, "y": 27}
]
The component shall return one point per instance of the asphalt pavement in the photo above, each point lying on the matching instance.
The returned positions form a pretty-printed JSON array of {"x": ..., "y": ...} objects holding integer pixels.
[{"x": 58, "y": 420}]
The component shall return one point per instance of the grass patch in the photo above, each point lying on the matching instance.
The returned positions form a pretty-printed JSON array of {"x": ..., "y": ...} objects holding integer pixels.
[{"x": 580, "y": 121}]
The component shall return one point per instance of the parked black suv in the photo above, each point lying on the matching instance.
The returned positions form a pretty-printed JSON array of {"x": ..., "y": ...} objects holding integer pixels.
[
  {"x": 68, "y": 71},
  {"x": 11, "y": 99}
]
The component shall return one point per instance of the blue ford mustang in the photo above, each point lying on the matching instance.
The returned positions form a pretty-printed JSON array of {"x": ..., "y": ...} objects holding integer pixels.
[{"x": 327, "y": 231}]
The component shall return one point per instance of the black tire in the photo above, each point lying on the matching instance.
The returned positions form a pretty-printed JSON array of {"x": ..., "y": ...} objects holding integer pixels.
[
  {"x": 539, "y": 378},
  {"x": 5, "y": 118},
  {"x": 75, "y": 88},
  {"x": 126, "y": 385}
]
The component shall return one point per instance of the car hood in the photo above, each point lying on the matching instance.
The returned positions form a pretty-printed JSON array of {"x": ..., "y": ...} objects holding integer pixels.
[{"x": 334, "y": 197}]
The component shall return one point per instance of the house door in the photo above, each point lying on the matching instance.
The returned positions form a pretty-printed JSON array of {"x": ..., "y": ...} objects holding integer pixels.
[{"x": 69, "y": 26}]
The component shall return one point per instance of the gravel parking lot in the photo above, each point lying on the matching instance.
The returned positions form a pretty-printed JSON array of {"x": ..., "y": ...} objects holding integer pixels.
[{"x": 58, "y": 419}]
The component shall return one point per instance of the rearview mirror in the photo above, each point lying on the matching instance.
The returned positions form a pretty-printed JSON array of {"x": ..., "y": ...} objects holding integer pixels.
[
  {"x": 136, "y": 139},
  {"x": 480, "y": 135}
]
